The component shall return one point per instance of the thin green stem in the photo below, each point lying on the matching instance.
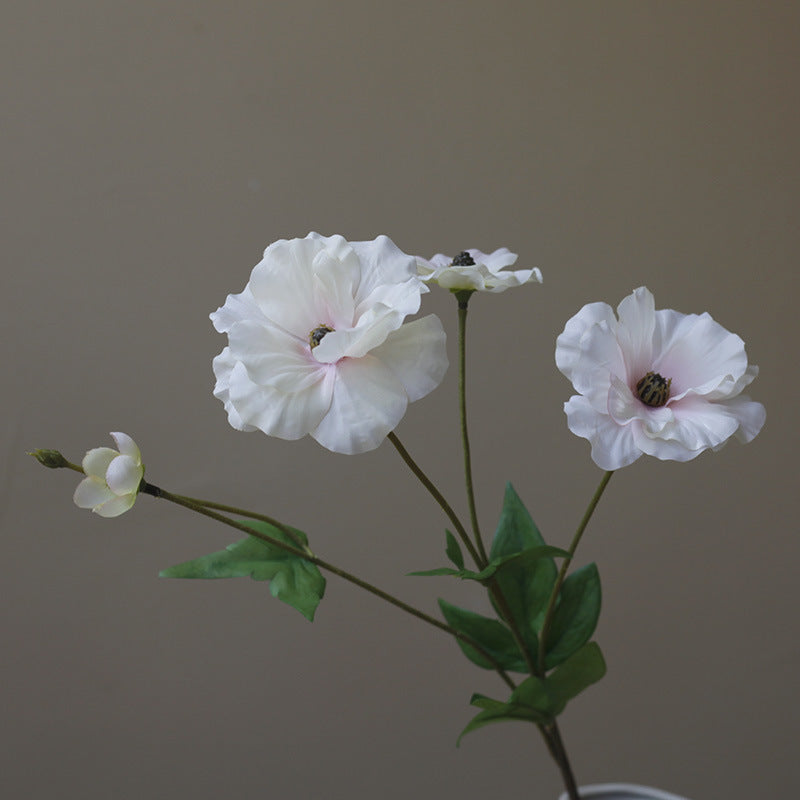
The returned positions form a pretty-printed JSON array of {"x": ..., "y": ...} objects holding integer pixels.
[
  {"x": 463, "y": 302},
  {"x": 559, "y": 752},
  {"x": 562, "y": 574},
  {"x": 438, "y": 497},
  {"x": 205, "y": 510}
]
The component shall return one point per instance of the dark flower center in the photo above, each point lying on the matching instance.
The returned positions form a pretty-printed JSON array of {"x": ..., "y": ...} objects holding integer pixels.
[
  {"x": 318, "y": 334},
  {"x": 653, "y": 389},
  {"x": 463, "y": 259}
]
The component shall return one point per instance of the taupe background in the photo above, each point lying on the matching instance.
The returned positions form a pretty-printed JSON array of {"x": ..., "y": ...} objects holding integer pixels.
[{"x": 150, "y": 151}]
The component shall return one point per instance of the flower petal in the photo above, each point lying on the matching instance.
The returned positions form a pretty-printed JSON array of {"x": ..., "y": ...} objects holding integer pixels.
[
  {"x": 416, "y": 354},
  {"x": 613, "y": 445},
  {"x": 92, "y": 492},
  {"x": 635, "y": 332},
  {"x": 127, "y": 447},
  {"x": 368, "y": 401},
  {"x": 96, "y": 461},
  {"x": 115, "y": 506},
  {"x": 124, "y": 475},
  {"x": 223, "y": 365}
]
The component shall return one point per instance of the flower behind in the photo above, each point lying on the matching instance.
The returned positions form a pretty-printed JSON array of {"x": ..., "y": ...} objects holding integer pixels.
[
  {"x": 112, "y": 478},
  {"x": 655, "y": 382},
  {"x": 317, "y": 344},
  {"x": 472, "y": 269}
]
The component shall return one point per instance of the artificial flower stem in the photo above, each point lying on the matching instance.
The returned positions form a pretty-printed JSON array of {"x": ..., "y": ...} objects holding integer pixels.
[
  {"x": 437, "y": 495},
  {"x": 562, "y": 574},
  {"x": 559, "y": 752},
  {"x": 205, "y": 510},
  {"x": 242, "y": 512},
  {"x": 462, "y": 296}
]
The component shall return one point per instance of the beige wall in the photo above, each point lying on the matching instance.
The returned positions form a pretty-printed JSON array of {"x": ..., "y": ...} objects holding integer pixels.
[{"x": 151, "y": 150}]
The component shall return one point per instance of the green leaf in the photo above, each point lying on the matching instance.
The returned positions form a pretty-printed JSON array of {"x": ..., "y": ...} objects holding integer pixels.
[
  {"x": 517, "y": 561},
  {"x": 527, "y": 581},
  {"x": 453, "y": 550},
  {"x": 576, "y": 615},
  {"x": 505, "y": 712},
  {"x": 583, "y": 668},
  {"x": 427, "y": 573},
  {"x": 293, "y": 579},
  {"x": 491, "y": 634}
]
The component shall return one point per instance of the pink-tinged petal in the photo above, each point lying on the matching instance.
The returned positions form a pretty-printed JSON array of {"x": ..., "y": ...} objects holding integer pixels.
[
  {"x": 284, "y": 285},
  {"x": 127, "y": 447},
  {"x": 635, "y": 332},
  {"x": 124, "y": 475},
  {"x": 96, "y": 461},
  {"x": 92, "y": 492},
  {"x": 697, "y": 426},
  {"x": 383, "y": 262},
  {"x": 750, "y": 415},
  {"x": 624, "y": 406},
  {"x": 697, "y": 353},
  {"x": 273, "y": 357},
  {"x": 337, "y": 276},
  {"x": 416, "y": 354},
  {"x": 368, "y": 402},
  {"x": 236, "y": 308},
  {"x": 223, "y": 365},
  {"x": 287, "y": 416},
  {"x": 569, "y": 345},
  {"x": 115, "y": 506},
  {"x": 613, "y": 445}
]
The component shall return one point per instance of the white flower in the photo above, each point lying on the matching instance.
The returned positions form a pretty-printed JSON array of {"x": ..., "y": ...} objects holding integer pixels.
[
  {"x": 472, "y": 269},
  {"x": 655, "y": 382},
  {"x": 112, "y": 478},
  {"x": 317, "y": 344}
]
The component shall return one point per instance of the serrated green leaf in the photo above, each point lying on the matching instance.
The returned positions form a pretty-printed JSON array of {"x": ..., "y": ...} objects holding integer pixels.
[
  {"x": 491, "y": 634},
  {"x": 293, "y": 579},
  {"x": 453, "y": 550},
  {"x": 525, "y": 585},
  {"x": 576, "y": 615}
]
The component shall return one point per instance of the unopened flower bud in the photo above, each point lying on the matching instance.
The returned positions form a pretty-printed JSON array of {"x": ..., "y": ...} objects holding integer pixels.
[{"x": 49, "y": 458}]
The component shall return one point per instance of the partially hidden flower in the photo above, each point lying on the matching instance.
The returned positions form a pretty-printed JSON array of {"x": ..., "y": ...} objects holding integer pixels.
[
  {"x": 656, "y": 382},
  {"x": 317, "y": 343},
  {"x": 473, "y": 269},
  {"x": 112, "y": 478}
]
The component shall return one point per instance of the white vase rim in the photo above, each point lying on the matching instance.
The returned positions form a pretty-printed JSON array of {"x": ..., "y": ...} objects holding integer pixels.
[{"x": 622, "y": 791}]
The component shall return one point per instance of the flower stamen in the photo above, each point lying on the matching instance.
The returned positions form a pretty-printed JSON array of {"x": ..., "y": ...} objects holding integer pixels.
[
  {"x": 318, "y": 334},
  {"x": 463, "y": 259},
  {"x": 653, "y": 389}
]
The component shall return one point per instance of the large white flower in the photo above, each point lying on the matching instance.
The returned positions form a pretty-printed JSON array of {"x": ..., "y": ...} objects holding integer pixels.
[
  {"x": 317, "y": 344},
  {"x": 655, "y": 382},
  {"x": 472, "y": 269},
  {"x": 112, "y": 478}
]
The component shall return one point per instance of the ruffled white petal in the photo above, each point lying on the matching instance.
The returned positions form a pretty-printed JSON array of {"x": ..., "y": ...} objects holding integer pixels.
[
  {"x": 613, "y": 445},
  {"x": 417, "y": 355},
  {"x": 368, "y": 402}
]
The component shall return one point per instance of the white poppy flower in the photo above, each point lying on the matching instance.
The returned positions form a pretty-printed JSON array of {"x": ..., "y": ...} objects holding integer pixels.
[
  {"x": 112, "y": 478},
  {"x": 472, "y": 269},
  {"x": 655, "y": 382},
  {"x": 317, "y": 344}
]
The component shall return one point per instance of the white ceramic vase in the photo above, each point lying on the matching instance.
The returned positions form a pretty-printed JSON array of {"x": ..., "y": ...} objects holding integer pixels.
[{"x": 622, "y": 791}]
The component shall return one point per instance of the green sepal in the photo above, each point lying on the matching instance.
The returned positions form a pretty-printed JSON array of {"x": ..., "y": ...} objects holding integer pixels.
[
  {"x": 540, "y": 700},
  {"x": 453, "y": 550},
  {"x": 528, "y": 581},
  {"x": 293, "y": 579},
  {"x": 491, "y": 634},
  {"x": 576, "y": 615}
]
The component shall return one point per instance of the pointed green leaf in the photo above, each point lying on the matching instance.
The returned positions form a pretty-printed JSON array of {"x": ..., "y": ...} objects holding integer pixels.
[
  {"x": 427, "y": 573},
  {"x": 576, "y": 615},
  {"x": 293, "y": 579},
  {"x": 453, "y": 550},
  {"x": 525, "y": 584},
  {"x": 506, "y": 712},
  {"x": 491, "y": 634},
  {"x": 583, "y": 668}
]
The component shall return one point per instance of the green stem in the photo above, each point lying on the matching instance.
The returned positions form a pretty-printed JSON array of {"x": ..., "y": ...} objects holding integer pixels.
[
  {"x": 205, "y": 510},
  {"x": 562, "y": 574},
  {"x": 437, "y": 495},
  {"x": 559, "y": 752},
  {"x": 463, "y": 302}
]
